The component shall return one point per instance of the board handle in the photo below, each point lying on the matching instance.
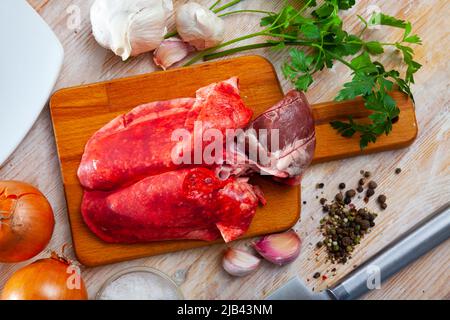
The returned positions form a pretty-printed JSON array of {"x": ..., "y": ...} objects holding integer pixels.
[{"x": 332, "y": 146}]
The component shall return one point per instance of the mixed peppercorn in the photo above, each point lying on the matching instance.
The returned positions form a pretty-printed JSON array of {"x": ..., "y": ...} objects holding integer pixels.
[{"x": 344, "y": 225}]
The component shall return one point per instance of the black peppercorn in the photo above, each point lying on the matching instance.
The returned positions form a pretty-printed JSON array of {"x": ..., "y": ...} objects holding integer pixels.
[
  {"x": 381, "y": 198},
  {"x": 373, "y": 185},
  {"x": 350, "y": 193},
  {"x": 370, "y": 192},
  {"x": 365, "y": 224},
  {"x": 341, "y": 185}
]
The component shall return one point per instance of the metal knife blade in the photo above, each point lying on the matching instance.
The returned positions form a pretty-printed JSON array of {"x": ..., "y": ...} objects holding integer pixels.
[{"x": 296, "y": 289}]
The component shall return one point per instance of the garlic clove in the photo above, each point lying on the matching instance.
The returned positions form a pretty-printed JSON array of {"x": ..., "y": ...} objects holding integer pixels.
[
  {"x": 171, "y": 51},
  {"x": 280, "y": 248},
  {"x": 239, "y": 263},
  {"x": 199, "y": 26}
]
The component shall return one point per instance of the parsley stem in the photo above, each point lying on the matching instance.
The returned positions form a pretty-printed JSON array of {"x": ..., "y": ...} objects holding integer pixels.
[
  {"x": 251, "y": 47},
  {"x": 200, "y": 55},
  {"x": 215, "y": 4},
  {"x": 338, "y": 58},
  {"x": 245, "y": 11},
  {"x": 171, "y": 34},
  {"x": 226, "y": 6},
  {"x": 277, "y": 35}
]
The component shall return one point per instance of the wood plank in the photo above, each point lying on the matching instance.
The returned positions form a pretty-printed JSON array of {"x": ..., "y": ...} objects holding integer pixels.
[
  {"x": 422, "y": 187},
  {"x": 78, "y": 112}
]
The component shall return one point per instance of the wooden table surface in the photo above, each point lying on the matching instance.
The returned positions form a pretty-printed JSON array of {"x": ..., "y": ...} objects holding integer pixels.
[{"x": 422, "y": 186}]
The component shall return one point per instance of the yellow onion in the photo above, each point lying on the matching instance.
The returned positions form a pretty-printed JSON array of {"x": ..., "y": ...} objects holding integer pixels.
[
  {"x": 54, "y": 278},
  {"x": 26, "y": 221}
]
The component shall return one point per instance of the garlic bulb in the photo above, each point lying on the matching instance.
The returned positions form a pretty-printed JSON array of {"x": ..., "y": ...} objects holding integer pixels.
[
  {"x": 280, "y": 248},
  {"x": 171, "y": 51},
  {"x": 199, "y": 26},
  {"x": 130, "y": 27},
  {"x": 239, "y": 263}
]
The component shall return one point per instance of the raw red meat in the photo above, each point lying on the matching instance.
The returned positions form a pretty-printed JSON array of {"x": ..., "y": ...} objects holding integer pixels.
[
  {"x": 134, "y": 192},
  {"x": 139, "y": 143},
  {"x": 287, "y": 160},
  {"x": 181, "y": 204}
]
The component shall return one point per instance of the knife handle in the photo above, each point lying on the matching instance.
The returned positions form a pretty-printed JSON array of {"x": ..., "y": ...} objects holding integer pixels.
[{"x": 401, "y": 252}]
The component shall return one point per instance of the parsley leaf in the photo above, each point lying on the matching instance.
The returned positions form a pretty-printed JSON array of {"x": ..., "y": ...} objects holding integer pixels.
[
  {"x": 374, "y": 47},
  {"x": 324, "y": 34},
  {"x": 361, "y": 84},
  {"x": 385, "y": 20}
]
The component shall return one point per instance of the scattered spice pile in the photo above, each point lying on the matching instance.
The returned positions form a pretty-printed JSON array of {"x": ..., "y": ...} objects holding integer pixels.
[{"x": 344, "y": 225}]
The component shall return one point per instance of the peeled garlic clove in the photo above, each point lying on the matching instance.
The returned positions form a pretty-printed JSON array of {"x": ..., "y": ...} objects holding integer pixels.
[
  {"x": 280, "y": 248},
  {"x": 239, "y": 263},
  {"x": 171, "y": 51},
  {"x": 199, "y": 26}
]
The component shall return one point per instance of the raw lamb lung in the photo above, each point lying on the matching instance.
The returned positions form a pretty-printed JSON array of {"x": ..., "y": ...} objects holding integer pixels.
[
  {"x": 134, "y": 192},
  {"x": 181, "y": 204},
  {"x": 139, "y": 143}
]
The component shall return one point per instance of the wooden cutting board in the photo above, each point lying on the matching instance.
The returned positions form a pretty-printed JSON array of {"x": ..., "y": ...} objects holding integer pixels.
[{"x": 80, "y": 111}]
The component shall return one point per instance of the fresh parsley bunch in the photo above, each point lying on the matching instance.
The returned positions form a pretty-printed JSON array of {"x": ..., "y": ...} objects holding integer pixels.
[{"x": 322, "y": 31}]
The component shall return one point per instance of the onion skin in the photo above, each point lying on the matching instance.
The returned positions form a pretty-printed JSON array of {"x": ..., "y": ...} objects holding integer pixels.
[
  {"x": 45, "y": 279},
  {"x": 26, "y": 221}
]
